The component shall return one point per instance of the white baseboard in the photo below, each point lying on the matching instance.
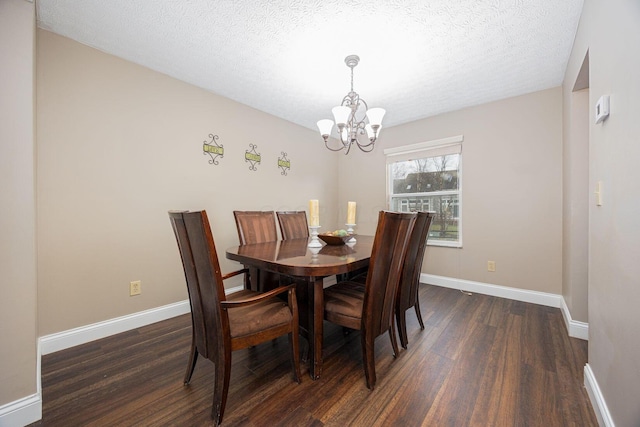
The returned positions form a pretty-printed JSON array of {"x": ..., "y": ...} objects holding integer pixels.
[
  {"x": 22, "y": 411},
  {"x": 70, "y": 338},
  {"x": 234, "y": 289},
  {"x": 575, "y": 328},
  {"x": 84, "y": 334},
  {"x": 29, "y": 409},
  {"x": 535, "y": 297},
  {"x": 597, "y": 400}
]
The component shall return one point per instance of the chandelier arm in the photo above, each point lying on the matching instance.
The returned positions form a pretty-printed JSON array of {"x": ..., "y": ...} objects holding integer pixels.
[
  {"x": 364, "y": 147},
  {"x": 366, "y": 106},
  {"x": 367, "y": 145},
  {"x": 348, "y": 148},
  {"x": 326, "y": 143},
  {"x": 341, "y": 133}
]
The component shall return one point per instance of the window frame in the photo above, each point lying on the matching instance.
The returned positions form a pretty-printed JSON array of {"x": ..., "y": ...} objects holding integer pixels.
[{"x": 424, "y": 150}]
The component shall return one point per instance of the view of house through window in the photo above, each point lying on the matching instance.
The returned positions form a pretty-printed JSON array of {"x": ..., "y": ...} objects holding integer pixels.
[{"x": 428, "y": 179}]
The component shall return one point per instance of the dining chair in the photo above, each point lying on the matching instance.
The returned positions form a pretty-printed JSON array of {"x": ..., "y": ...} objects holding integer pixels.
[
  {"x": 408, "y": 287},
  {"x": 293, "y": 224},
  {"x": 370, "y": 308},
  {"x": 407, "y": 296},
  {"x": 220, "y": 323},
  {"x": 257, "y": 227}
]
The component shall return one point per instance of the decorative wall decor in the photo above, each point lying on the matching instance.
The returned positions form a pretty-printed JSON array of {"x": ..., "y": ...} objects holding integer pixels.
[
  {"x": 213, "y": 149},
  {"x": 284, "y": 163},
  {"x": 252, "y": 157}
]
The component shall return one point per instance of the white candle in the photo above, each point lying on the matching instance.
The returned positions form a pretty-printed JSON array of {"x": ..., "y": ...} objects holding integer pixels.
[
  {"x": 351, "y": 213},
  {"x": 314, "y": 213}
]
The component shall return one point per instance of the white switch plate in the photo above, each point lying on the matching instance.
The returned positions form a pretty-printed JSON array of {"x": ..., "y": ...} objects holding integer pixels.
[
  {"x": 602, "y": 108},
  {"x": 598, "y": 193}
]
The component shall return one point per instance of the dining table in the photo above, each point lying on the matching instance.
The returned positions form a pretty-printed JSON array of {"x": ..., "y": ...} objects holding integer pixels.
[{"x": 306, "y": 266}]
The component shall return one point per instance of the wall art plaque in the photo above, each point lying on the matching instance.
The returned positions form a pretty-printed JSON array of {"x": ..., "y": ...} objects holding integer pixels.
[
  {"x": 213, "y": 149},
  {"x": 284, "y": 163},
  {"x": 253, "y": 157}
]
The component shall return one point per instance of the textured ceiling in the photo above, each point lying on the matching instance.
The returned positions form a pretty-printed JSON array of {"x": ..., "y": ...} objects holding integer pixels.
[{"x": 419, "y": 58}]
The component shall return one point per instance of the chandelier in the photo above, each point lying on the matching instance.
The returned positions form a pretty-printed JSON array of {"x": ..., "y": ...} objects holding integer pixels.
[{"x": 351, "y": 118}]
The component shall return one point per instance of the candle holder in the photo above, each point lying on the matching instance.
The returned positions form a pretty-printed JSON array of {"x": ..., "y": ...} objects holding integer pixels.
[
  {"x": 314, "y": 254},
  {"x": 315, "y": 242},
  {"x": 350, "y": 231}
]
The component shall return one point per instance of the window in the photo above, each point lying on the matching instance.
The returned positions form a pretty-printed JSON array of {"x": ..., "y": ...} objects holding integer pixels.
[{"x": 427, "y": 177}]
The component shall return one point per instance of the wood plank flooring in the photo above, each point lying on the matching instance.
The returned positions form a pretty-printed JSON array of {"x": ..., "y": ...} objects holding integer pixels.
[{"x": 481, "y": 361}]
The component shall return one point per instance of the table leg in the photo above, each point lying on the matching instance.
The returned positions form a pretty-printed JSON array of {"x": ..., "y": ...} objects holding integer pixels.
[
  {"x": 254, "y": 278},
  {"x": 316, "y": 317}
]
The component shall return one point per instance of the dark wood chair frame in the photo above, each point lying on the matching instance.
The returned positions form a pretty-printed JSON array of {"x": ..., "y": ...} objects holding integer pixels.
[
  {"x": 293, "y": 224},
  {"x": 257, "y": 227},
  {"x": 410, "y": 280},
  {"x": 211, "y": 328},
  {"x": 379, "y": 293}
]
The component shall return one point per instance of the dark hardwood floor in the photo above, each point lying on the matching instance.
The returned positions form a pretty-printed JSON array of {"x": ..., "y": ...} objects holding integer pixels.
[{"x": 481, "y": 361}]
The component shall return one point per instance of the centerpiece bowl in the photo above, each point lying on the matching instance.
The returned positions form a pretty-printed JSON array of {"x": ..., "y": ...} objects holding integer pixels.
[{"x": 330, "y": 239}]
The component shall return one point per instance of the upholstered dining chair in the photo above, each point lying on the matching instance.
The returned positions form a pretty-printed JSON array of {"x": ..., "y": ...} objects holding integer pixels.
[
  {"x": 293, "y": 224},
  {"x": 222, "y": 324},
  {"x": 257, "y": 227},
  {"x": 370, "y": 308},
  {"x": 408, "y": 287},
  {"x": 407, "y": 296}
]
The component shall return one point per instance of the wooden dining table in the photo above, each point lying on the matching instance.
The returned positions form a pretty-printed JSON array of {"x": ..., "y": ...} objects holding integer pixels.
[{"x": 307, "y": 267}]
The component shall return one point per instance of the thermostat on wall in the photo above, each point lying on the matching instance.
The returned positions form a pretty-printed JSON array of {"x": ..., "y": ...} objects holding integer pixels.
[{"x": 602, "y": 108}]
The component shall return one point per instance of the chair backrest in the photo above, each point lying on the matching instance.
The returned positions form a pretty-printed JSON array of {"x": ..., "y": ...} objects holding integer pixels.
[
  {"x": 204, "y": 281},
  {"x": 293, "y": 224},
  {"x": 385, "y": 266},
  {"x": 255, "y": 226},
  {"x": 412, "y": 267}
]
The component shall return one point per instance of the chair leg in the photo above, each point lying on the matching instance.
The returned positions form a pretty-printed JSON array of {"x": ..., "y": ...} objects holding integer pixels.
[
  {"x": 193, "y": 357},
  {"x": 221, "y": 386},
  {"x": 402, "y": 327},
  {"x": 294, "y": 335},
  {"x": 392, "y": 335},
  {"x": 295, "y": 355},
  {"x": 368, "y": 359},
  {"x": 417, "y": 307}
]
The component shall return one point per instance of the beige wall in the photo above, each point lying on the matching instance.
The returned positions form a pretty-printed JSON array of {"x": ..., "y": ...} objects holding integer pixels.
[
  {"x": 18, "y": 333},
  {"x": 120, "y": 145},
  {"x": 511, "y": 191},
  {"x": 575, "y": 203},
  {"x": 610, "y": 32}
]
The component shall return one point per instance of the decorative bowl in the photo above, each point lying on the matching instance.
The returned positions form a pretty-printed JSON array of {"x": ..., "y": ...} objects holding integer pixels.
[{"x": 335, "y": 240}]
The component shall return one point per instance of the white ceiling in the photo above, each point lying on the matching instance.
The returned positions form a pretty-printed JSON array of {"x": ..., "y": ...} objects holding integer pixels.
[{"x": 419, "y": 58}]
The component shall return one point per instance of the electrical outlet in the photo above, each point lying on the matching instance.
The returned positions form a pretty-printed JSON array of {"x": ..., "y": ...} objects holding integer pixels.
[
  {"x": 135, "y": 288},
  {"x": 491, "y": 266}
]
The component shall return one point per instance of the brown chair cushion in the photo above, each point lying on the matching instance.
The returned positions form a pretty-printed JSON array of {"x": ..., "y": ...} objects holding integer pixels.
[
  {"x": 344, "y": 300},
  {"x": 250, "y": 319}
]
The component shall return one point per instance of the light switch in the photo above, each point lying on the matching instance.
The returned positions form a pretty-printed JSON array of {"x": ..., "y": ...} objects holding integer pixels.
[
  {"x": 598, "y": 193},
  {"x": 602, "y": 108}
]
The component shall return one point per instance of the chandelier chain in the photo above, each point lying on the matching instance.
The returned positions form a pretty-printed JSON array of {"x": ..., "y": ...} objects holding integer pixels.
[{"x": 351, "y": 79}]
